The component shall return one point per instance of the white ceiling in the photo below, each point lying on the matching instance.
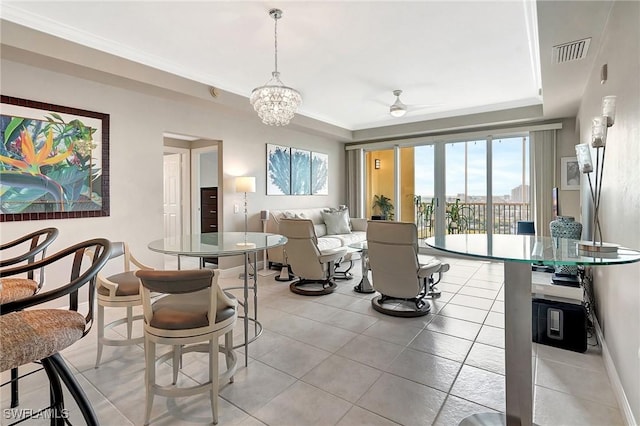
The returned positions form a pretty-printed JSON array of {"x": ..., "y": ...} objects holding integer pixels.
[{"x": 345, "y": 57}]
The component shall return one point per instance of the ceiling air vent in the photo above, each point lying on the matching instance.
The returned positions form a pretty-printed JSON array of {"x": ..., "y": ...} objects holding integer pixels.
[{"x": 572, "y": 51}]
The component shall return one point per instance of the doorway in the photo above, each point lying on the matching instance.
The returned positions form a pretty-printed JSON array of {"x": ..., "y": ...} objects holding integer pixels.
[{"x": 189, "y": 164}]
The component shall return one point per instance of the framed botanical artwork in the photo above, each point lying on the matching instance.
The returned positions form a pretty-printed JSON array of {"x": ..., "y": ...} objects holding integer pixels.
[
  {"x": 54, "y": 161},
  {"x": 319, "y": 173},
  {"x": 569, "y": 174},
  {"x": 278, "y": 170},
  {"x": 300, "y": 172}
]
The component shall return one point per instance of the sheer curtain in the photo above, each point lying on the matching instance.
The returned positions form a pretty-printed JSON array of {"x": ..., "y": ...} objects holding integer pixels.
[
  {"x": 355, "y": 183},
  {"x": 543, "y": 177}
]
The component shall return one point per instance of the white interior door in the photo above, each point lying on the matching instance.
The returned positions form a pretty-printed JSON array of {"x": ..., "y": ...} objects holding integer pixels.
[{"x": 172, "y": 196}]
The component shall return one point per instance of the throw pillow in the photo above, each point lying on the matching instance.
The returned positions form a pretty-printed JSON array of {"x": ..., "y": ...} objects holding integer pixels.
[
  {"x": 337, "y": 221},
  {"x": 291, "y": 215}
]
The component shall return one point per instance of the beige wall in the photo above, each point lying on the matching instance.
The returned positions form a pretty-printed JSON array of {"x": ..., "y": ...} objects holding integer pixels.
[
  {"x": 566, "y": 140},
  {"x": 138, "y": 121},
  {"x": 617, "y": 287}
]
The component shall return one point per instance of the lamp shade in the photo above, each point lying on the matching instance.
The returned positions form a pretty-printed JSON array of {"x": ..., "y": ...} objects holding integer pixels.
[
  {"x": 584, "y": 158},
  {"x": 245, "y": 184}
]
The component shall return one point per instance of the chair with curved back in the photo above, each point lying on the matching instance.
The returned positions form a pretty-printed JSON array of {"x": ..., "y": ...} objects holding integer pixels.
[
  {"x": 313, "y": 267},
  {"x": 121, "y": 290},
  {"x": 15, "y": 288},
  {"x": 31, "y": 247},
  {"x": 397, "y": 271},
  {"x": 190, "y": 310},
  {"x": 38, "y": 334}
]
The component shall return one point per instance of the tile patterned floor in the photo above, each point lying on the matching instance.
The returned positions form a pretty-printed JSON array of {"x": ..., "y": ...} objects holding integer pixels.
[{"x": 333, "y": 360}]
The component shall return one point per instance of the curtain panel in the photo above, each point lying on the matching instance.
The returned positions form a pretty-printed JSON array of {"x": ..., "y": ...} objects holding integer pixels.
[{"x": 543, "y": 177}]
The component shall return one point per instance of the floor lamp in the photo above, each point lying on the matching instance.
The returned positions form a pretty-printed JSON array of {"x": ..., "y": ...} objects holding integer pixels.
[
  {"x": 245, "y": 184},
  {"x": 583, "y": 152}
]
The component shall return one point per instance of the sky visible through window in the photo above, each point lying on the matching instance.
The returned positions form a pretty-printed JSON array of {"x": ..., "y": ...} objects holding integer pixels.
[{"x": 507, "y": 168}]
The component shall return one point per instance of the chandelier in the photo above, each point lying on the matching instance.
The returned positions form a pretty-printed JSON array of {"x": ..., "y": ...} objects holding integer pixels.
[{"x": 274, "y": 102}]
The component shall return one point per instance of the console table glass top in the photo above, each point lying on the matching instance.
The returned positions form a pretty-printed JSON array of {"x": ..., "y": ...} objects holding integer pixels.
[
  {"x": 215, "y": 244},
  {"x": 528, "y": 249}
]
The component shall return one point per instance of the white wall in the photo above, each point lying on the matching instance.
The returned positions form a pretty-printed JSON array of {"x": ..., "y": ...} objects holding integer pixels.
[
  {"x": 209, "y": 169},
  {"x": 617, "y": 288},
  {"x": 137, "y": 122}
]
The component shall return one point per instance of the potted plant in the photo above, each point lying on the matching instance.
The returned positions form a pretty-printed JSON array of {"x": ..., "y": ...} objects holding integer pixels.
[
  {"x": 457, "y": 220},
  {"x": 383, "y": 205}
]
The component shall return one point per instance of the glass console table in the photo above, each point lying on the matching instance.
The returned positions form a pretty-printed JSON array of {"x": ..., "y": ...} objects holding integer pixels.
[
  {"x": 518, "y": 252},
  {"x": 220, "y": 244}
]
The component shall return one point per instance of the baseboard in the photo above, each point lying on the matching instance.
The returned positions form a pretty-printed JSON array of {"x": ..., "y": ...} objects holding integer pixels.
[{"x": 612, "y": 373}]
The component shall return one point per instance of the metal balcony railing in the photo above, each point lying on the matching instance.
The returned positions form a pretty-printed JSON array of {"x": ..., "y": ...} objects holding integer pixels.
[{"x": 471, "y": 218}]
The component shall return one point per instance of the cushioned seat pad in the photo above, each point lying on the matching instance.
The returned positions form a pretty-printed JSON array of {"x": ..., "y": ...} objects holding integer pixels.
[
  {"x": 32, "y": 335},
  {"x": 185, "y": 311},
  {"x": 128, "y": 284},
  {"x": 12, "y": 289}
]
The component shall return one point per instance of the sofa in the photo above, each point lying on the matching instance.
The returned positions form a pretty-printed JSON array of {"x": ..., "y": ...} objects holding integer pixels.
[{"x": 327, "y": 238}]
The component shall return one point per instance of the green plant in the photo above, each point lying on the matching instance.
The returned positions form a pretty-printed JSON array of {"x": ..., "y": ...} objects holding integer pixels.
[
  {"x": 457, "y": 220},
  {"x": 424, "y": 211},
  {"x": 383, "y": 205}
]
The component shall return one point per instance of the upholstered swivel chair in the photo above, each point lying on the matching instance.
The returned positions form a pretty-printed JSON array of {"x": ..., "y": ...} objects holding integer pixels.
[
  {"x": 26, "y": 249},
  {"x": 28, "y": 335},
  {"x": 313, "y": 267},
  {"x": 121, "y": 290},
  {"x": 396, "y": 270},
  {"x": 193, "y": 310}
]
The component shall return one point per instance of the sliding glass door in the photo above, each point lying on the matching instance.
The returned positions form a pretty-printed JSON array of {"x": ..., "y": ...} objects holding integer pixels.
[
  {"x": 466, "y": 187},
  {"x": 471, "y": 186},
  {"x": 511, "y": 188}
]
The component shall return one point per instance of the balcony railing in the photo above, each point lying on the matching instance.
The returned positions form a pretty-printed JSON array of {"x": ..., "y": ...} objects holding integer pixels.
[{"x": 471, "y": 218}]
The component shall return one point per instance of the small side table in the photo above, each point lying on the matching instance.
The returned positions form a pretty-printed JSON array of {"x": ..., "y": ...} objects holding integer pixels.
[{"x": 364, "y": 286}]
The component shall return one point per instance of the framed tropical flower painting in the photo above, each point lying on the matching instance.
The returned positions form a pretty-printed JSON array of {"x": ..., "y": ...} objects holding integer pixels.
[{"x": 54, "y": 161}]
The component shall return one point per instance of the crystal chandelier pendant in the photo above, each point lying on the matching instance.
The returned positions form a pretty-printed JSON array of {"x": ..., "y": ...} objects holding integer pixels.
[{"x": 275, "y": 103}]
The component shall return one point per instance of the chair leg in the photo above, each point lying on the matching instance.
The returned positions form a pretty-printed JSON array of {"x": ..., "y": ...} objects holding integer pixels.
[
  {"x": 214, "y": 377},
  {"x": 100, "y": 334},
  {"x": 15, "y": 401},
  {"x": 149, "y": 375},
  {"x": 177, "y": 362},
  {"x": 74, "y": 388},
  {"x": 228, "y": 346},
  {"x": 129, "y": 321},
  {"x": 56, "y": 396}
]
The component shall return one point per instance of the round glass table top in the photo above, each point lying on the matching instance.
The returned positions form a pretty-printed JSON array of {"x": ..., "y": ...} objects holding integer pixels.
[
  {"x": 217, "y": 243},
  {"x": 528, "y": 249},
  {"x": 362, "y": 245}
]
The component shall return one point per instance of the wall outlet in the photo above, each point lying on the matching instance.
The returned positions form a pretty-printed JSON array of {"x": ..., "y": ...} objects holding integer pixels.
[{"x": 236, "y": 208}]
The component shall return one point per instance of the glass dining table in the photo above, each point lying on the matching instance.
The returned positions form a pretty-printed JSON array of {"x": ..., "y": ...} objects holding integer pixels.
[
  {"x": 518, "y": 252},
  {"x": 222, "y": 244}
]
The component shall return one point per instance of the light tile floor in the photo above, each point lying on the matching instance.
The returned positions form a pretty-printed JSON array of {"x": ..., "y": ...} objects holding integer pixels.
[{"x": 333, "y": 360}]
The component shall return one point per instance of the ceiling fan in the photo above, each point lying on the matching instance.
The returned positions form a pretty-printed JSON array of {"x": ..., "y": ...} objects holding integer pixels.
[{"x": 399, "y": 109}]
